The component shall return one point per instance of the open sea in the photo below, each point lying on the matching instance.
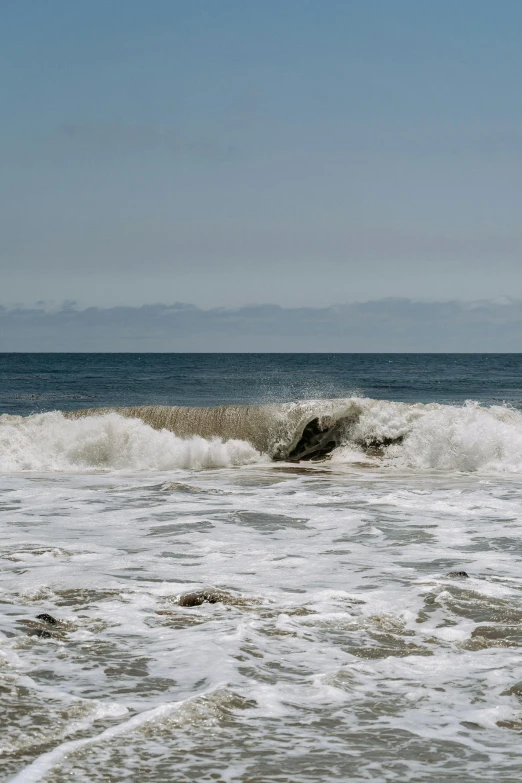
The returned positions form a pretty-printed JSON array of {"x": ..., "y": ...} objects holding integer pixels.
[{"x": 260, "y": 568}]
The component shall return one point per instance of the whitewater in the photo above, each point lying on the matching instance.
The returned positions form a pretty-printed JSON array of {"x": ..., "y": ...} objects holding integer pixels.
[
  {"x": 218, "y": 569},
  {"x": 345, "y": 431}
]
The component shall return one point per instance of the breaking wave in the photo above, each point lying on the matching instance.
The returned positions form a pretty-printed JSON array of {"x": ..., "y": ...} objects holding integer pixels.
[
  {"x": 52, "y": 442},
  {"x": 346, "y": 431}
]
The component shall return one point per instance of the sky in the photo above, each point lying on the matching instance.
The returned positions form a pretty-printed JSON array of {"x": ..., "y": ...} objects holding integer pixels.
[{"x": 231, "y": 153}]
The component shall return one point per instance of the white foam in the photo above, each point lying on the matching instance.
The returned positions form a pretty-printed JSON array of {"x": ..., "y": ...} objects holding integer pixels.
[
  {"x": 51, "y": 442},
  {"x": 323, "y": 593},
  {"x": 440, "y": 437},
  {"x": 470, "y": 438}
]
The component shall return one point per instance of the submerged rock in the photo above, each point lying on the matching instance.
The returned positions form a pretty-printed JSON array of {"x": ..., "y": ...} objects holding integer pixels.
[
  {"x": 34, "y": 627},
  {"x": 458, "y": 575},
  {"x": 46, "y": 618},
  {"x": 377, "y": 446},
  {"x": 206, "y": 596},
  {"x": 41, "y": 633}
]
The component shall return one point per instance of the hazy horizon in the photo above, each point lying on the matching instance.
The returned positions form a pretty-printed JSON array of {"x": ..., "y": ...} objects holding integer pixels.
[{"x": 378, "y": 326}]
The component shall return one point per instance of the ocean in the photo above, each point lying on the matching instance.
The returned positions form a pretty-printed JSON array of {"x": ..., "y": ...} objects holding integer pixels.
[{"x": 261, "y": 568}]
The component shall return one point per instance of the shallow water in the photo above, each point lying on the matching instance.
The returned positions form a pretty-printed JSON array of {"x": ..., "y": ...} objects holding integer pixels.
[
  {"x": 344, "y": 642},
  {"x": 346, "y": 652}
]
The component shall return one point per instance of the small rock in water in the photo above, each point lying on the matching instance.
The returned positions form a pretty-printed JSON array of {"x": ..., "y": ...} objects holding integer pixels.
[
  {"x": 42, "y": 634},
  {"x": 198, "y": 597},
  {"x": 458, "y": 574},
  {"x": 46, "y": 618}
]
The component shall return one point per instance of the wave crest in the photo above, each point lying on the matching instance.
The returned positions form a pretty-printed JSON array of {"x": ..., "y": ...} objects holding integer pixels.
[
  {"x": 389, "y": 434},
  {"x": 52, "y": 442}
]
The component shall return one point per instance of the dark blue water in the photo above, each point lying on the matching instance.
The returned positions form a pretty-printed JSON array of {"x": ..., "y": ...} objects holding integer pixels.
[{"x": 40, "y": 382}]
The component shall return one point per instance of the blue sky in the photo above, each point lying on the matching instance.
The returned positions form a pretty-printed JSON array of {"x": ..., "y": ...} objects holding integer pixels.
[{"x": 228, "y": 153}]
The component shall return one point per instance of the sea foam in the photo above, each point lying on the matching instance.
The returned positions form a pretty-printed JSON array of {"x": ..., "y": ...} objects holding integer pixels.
[
  {"x": 464, "y": 438},
  {"x": 51, "y": 442},
  {"x": 467, "y": 438}
]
